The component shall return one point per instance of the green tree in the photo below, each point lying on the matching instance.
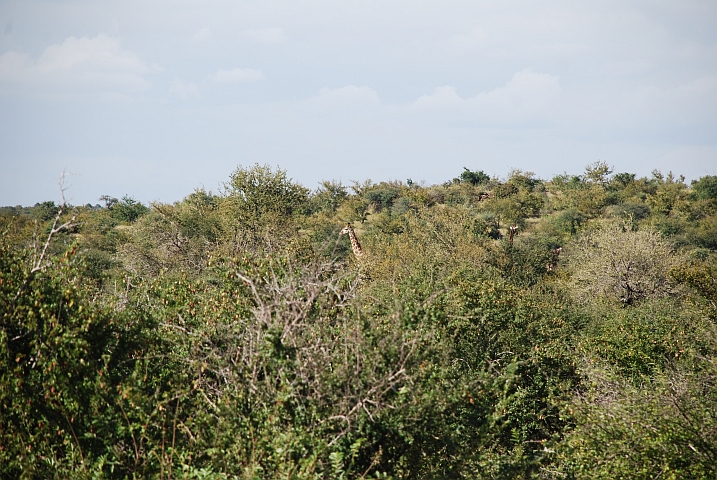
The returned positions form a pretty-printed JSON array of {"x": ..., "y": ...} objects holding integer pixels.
[
  {"x": 705, "y": 187},
  {"x": 62, "y": 358},
  {"x": 172, "y": 238},
  {"x": 666, "y": 429},
  {"x": 125, "y": 210},
  {"x": 598, "y": 172},
  {"x": 259, "y": 208},
  {"x": 474, "y": 178}
]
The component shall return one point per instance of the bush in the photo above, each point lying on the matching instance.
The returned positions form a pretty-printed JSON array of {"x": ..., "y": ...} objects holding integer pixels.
[
  {"x": 258, "y": 209},
  {"x": 664, "y": 429},
  {"x": 64, "y": 360},
  {"x": 381, "y": 196},
  {"x": 329, "y": 196},
  {"x": 642, "y": 342},
  {"x": 568, "y": 221},
  {"x": 621, "y": 264},
  {"x": 474, "y": 178},
  {"x": 224, "y": 337},
  {"x": 128, "y": 210},
  {"x": 632, "y": 211},
  {"x": 706, "y": 187}
]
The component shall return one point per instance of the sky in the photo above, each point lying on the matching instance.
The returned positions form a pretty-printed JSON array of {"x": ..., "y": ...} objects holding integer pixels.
[{"x": 154, "y": 99}]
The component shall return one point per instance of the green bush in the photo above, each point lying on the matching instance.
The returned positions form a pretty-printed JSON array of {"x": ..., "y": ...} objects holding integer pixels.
[
  {"x": 64, "y": 360},
  {"x": 381, "y": 196},
  {"x": 663, "y": 429},
  {"x": 128, "y": 210},
  {"x": 474, "y": 178},
  {"x": 234, "y": 335},
  {"x": 568, "y": 221},
  {"x": 705, "y": 187}
]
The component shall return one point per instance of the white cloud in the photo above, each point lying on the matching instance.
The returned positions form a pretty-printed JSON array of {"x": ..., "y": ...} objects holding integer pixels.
[
  {"x": 528, "y": 96},
  {"x": 236, "y": 75},
  {"x": 269, "y": 36},
  {"x": 77, "y": 65},
  {"x": 184, "y": 90}
]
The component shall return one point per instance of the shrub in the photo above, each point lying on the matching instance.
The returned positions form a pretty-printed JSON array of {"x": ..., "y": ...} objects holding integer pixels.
[
  {"x": 258, "y": 209},
  {"x": 128, "y": 210},
  {"x": 705, "y": 187},
  {"x": 382, "y": 196},
  {"x": 632, "y": 211},
  {"x": 620, "y": 264},
  {"x": 62, "y": 362},
  {"x": 568, "y": 221},
  {"x": 474, "y": 178},
  {"x": 666, "y": 428}
]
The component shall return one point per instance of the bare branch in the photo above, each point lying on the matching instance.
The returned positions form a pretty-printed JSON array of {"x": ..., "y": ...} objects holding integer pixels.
[{"x": 38, "y": 264}]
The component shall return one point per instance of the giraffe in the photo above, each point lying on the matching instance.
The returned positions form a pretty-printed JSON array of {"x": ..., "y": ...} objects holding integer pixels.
[
  {"x": 554, "y": 259},
  {"x": 513, "y": 229},
  {"x": 355, "y": 245}
]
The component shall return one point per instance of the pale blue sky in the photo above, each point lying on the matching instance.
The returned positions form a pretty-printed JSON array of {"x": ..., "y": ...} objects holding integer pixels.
[{"x": 156, "y": 98}]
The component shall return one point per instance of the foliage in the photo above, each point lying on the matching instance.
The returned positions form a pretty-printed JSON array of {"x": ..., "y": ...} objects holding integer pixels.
[
  {"x": 235, "y": 335},
  {"x": 598, "y": 172},
  {"x": 128, "y": 210},
  {"x": 64, "y": 362},
  {"x": 474, "y": 178},
  {"x": 329, "y": 196},
  {"x": 381, "y": 197},
  {"x": 705, "y": 187},
  {"x": 701, "y": 277},
  {"x": 258, "y": 208},
  {"x": 617, "y": 263},
  {"x": 568, "y": 222},
  {"x": 517, "y": 199},
  {"x": 177, "y": 237},
  {"x": 665, "y": 429}
]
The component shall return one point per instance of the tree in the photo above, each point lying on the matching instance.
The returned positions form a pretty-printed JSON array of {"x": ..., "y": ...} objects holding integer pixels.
[
  {"x": 329, "y": 196},
  {"x": 598, "y": 172},
  {"x": 666, "y": 429},
  {"x": 614, "y": 262},
  {"x": 128, "y": 209},
  {"x": 260, "y": 191},
  {"x": 705, "y": 187},
  {"x": 474, "y": 178},
  {"x": 259, "y": 207},
  {"x": 518, "y": 198}
]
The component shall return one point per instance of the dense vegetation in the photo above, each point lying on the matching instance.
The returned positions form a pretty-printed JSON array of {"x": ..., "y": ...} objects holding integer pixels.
[{"x": 235, "y": 335}]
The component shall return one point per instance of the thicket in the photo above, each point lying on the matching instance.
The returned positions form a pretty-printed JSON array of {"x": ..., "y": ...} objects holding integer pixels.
[{"x": 233, "y": 334}]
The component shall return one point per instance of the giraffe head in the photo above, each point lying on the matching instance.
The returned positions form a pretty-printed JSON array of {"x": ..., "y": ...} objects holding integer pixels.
[{"x": 346, "y": 230}]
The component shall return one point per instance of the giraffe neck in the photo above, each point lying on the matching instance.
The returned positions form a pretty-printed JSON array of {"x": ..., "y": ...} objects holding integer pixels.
[{"x": 355, "y": 245}]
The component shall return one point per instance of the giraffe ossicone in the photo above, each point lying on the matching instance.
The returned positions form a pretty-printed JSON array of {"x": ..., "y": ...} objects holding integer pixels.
[{"x": 355, "y": 245}]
